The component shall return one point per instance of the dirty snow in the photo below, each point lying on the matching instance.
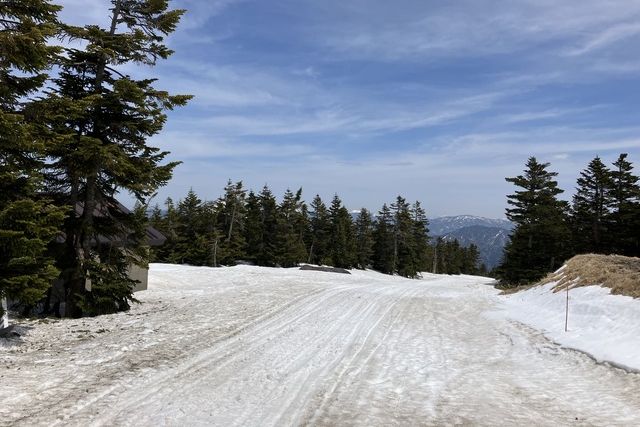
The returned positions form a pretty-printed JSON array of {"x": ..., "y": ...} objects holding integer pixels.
[
  {"x": 248, "y": 346},
  {"x": 605, "y": 326}
]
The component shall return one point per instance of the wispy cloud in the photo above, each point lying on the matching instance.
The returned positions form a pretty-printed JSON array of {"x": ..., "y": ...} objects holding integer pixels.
[
  {"x": 608, "y": 37},
  {"x": 437, "y": 100}
]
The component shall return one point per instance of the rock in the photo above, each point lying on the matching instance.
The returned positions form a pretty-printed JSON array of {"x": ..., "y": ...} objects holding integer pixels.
[{"x": 325, "y": 269}]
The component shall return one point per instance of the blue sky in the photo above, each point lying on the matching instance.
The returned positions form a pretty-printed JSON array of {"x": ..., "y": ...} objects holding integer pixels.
[{"x": 436, "y": 100}]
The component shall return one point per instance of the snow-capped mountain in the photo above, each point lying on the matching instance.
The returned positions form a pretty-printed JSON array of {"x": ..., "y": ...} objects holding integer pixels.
[
  {"x": 447, "y": 224},
  {"x": 488, "y": 234}
]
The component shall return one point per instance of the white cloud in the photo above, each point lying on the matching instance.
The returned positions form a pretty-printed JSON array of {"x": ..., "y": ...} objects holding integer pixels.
[{"x": 607, "y": 37}]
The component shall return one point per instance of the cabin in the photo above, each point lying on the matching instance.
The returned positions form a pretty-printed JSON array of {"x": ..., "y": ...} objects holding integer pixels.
[{"x": 104, "y": 245}]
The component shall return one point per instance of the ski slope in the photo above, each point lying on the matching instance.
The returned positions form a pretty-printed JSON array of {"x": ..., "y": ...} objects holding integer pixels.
[{"x": 249, "y": 346}]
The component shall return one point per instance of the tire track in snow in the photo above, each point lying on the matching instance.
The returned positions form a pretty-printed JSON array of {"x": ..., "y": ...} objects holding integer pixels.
[
  {"x": 222, "y": 352},
  {"x": 327, "y": 396}
]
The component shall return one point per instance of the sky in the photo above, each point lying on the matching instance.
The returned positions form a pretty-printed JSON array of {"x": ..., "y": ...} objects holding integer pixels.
[{"x": 438, "y": 101}]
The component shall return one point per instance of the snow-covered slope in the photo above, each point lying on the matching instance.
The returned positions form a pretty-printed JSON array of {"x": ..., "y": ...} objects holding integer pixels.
[
  {"x": 252, "y": 346},
  {"x": 605, "y": 326}
]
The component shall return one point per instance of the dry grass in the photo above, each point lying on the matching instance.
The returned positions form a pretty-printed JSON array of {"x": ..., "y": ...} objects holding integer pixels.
[
  {"x": 513, "y": 290},
  {"x": 620, "y": 273}
]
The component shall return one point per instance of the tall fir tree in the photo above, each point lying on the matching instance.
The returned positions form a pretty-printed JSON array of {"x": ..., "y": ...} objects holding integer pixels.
[
  {"x": 319, "y": 247},
  {"x": 252, "y": 231},
  {"x": 103, "y": 120},
  {"x": 540, "y": 240},
  {"x": 190, "y": 246},
  {"x": 405, "y": 261},
  {"x": 383, "y": 248},
  {"x": 592, "y": 203},
  {"x": 420, "y": 236},
  {"x": 342, "y": 236},
  {"x": 28, "y": 221},
  {"x": 625, "y": 215},
  {"x": 231, "y": 217},
  {"x": 268, "y": 241},
  {"x": 290, "y": 247},
  {"x": 364, "y": 239}
]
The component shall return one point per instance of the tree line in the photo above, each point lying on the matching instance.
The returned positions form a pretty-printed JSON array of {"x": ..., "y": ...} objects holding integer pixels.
[
  {"x": 603, "y": 217},
  {"x": 73, "y": 134},
  {"x": 245, "y": 226}
]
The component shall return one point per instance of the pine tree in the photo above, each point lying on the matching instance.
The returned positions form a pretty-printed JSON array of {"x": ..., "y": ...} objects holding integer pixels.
[
  {"x": 168, "y": 226},
  {"x": 231, "y": 217},
  {"x": 28, "y": 221},
  {"x": 470, "y": 260},
  {"x": 625, "y": 216},
  {"x": 342, "y": 235},
  {"x": 383, "y": 247},
  {"x": 539, "y": 241},
  {"x": 364, "y": 239},
  {"x": 319, "y": 248},
  {"x": 591, "y": 209},
  {"x": 103, "y": 119},
  {"x": 404, "y": 260},
  {"x": 420, "y": 236},
  {"x": 190, "y": 247},
  {"x": 252, "y": 231},
  {"x": 267, "y": 248},
  {"x": 290, "y": 247}
]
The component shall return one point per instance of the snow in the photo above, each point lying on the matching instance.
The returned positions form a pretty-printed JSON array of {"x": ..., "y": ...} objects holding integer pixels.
[
  {"x": 248, "y": 346},
  {"x": 4, "y": 319},
  {"x": 605, "y": 326}
]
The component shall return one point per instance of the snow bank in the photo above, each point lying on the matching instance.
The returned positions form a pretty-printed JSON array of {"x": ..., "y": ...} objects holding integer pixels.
[{"x": 605, "y": 326}]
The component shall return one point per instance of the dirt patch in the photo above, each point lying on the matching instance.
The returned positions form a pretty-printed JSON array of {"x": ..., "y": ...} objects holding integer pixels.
[
  {"x": 620, "y": 273},
  {"x": 512, "y": 290}
]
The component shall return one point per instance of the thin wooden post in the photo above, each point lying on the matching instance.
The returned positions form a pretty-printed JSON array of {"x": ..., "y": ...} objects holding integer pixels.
[{"x": 566, "y": 317}]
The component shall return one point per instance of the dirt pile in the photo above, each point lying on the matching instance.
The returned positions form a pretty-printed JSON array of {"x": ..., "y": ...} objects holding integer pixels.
[{"x": 620, "y": 273}]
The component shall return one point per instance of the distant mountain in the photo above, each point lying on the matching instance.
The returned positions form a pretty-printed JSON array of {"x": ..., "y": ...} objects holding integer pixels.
[
  {"x": 447, "y": 224},
  {"x": 489, "y": 240},
  {"x": 488, "y": 234}
]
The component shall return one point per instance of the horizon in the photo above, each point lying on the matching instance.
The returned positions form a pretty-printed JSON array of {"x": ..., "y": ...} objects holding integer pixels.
[{"x": 435, "y": 101}]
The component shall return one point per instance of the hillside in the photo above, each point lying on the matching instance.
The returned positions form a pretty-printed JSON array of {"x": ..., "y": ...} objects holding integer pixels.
[
  {"x": 489, "y": 240},
  {"x": 448, "y": 224},
  {"x": 490, "y": 235},
  {"x": 603, "y": 316},
  {"x": 620, "y": 273}
]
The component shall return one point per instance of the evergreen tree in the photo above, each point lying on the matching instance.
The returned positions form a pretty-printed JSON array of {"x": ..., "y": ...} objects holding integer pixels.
[
  {"x": 405, "y": 260},
  {"x": 342, "y": 235},
  {"x": 252, "y": 231},
  {"x": 591, "y": 209},
  {"x": 420, "y": 236},
  {"x": 191, "y": 247},
  {"x": 231, "y": 217},
  {"x": 28, "y": 221},
  {"x": 290, "y": 247},
  {"x": 168, "y": 226},
  {"x": 103, "y": 119},
  {"x": 267, "y": 248},
  {"x": 383, "y": 247},
  {"x": 625, "y": 216},
  {"x": 364, "y": 239},
  {"x": 539, "y": 241},
  {"x": 470, "y": 260},
  {"x": 319, "y": 248}
]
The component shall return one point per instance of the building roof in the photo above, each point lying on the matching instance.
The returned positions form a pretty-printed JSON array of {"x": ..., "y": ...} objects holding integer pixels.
[{"x": 114, "y": 209}]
